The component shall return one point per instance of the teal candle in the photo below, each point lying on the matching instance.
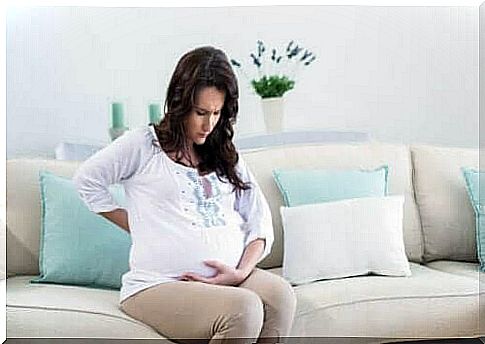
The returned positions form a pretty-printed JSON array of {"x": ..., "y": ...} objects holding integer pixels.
[
  {"x": 117, "y": 115},
  {"x": 154, "y": 112}
]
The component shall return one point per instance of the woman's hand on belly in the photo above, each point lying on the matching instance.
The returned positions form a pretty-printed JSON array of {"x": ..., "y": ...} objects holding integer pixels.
[{"x": 225, "y": 275}]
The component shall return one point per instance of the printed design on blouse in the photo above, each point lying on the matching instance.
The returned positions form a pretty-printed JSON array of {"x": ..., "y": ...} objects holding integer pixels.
[{"x": 209, "y": 197}]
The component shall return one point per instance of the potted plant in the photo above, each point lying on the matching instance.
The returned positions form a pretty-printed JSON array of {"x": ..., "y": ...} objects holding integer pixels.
[{"x": 276, "y": 76}]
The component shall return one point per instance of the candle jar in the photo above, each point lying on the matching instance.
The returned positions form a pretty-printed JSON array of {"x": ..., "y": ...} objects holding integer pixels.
[{"x": 154, "y": 112}]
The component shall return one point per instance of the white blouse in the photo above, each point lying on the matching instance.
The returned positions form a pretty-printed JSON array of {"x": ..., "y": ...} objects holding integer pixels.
[{"x": 177, "y": 218}]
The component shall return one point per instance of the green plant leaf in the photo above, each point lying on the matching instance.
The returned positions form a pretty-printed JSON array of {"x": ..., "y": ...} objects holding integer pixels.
[{"x": 272, "y": 86}]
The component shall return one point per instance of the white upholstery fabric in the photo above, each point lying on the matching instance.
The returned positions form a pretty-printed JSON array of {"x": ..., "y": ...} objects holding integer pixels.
[
  {"x": 23, "y": 211},
  {"x": 349, "y": 237},
  {"x": 345, "y": 156},
  {"x": 447, "y": 216},
  {"x": 428, "y": 304},
  {"x": 470, "y": 270},
  {"x": 50, "y": 310}
]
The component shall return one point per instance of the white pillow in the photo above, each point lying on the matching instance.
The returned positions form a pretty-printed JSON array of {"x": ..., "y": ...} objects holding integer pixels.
[{"x": 344, "y": 238}]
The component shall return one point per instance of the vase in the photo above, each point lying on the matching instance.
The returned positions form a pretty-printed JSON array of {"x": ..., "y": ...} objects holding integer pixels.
[
  {"x": 117, "y": 120},
  {"x": 273, "y": 114}
]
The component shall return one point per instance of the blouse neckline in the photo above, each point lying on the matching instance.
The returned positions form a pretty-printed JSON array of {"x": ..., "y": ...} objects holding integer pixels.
[{"x": 172, "y": 162}]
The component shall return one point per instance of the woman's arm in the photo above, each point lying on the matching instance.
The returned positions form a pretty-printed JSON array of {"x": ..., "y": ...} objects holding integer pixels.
[
  {"x": 118, "y": 217},
  {"x": 254, "y": 209},
  {"x": 115, "y": 163},
  {"x": 250, "y": 257},
  {"x": 228, "y": 275}
]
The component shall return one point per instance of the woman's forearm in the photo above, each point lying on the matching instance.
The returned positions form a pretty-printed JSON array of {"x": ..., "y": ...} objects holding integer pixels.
[
  {"x": 251, "y": 256},
  {"x": 119, "y": 217}
]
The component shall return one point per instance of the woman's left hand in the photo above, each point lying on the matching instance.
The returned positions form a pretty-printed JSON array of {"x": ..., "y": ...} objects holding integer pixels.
[{"x": 226, "y": 275}]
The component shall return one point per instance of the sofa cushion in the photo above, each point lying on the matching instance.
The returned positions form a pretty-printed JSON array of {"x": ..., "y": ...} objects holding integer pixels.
[
  {"x": 470, "y": 270},
  {"x": 477, "y": 200},
  {"x": 24, "y": 208},
  {"x": 35, "y": 310},
  {"x": 447, "y": 217},
  {"x": 429, "y": 303},
  {"x": 342, "y": 156},
  {"x": 78, "y": 246},
  {"x": 344, "y": 238},
  {"x": 299, "y": 187}
]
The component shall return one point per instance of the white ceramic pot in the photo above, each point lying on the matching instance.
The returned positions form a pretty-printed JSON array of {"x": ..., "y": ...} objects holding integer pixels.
[{"x": 273, "y": 114}]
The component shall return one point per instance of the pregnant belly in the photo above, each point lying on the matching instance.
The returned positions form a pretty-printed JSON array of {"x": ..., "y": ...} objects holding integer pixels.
[{"x": 174, "y": 255}]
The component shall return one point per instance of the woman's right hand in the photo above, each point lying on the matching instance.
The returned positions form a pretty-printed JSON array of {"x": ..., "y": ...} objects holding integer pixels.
[{"x": 119, "y": 217}]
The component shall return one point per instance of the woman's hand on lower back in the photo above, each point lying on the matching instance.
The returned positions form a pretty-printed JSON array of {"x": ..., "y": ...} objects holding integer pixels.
[
  {"x": 226, "y": 275},
  {"x": 118, "y": 217}
]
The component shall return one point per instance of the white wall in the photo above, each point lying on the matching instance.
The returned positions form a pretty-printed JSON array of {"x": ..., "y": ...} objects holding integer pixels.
[
  {"x": 482, "y": 91},
  {"x": 403, "y": 74}
]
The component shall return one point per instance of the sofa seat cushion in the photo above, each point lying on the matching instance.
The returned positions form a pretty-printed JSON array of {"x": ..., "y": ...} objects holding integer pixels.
[
  {"x": 428, "y": 304},
  {"x": 36, "y": 310},
  {"x": 458, "y": 268}
]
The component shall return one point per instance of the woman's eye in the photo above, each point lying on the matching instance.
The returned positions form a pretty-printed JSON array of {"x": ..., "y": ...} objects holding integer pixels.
[{"x": 200, "y": 113}]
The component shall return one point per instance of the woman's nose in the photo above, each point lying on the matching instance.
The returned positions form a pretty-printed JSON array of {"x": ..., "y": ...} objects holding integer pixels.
[{"x": 207, "y": 125}]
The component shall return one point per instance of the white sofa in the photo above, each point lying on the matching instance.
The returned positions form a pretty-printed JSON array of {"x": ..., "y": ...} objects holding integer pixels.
[{"x": 440, "y": 299}]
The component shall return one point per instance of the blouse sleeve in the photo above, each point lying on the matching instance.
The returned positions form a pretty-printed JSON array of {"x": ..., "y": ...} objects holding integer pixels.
[
  {"x": 254, "y": 209},
  {"x": 111, "y": 165}
]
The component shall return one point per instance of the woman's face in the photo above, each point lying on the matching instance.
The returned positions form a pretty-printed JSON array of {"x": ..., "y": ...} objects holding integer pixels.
[{"x": 204, "y": 115}]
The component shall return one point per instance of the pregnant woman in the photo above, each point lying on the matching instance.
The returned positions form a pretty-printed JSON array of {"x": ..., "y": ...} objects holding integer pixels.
[{"x": 198, "y": 220}]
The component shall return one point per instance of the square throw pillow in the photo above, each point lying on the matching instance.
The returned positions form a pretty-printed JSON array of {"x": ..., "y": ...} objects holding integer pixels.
[
  {"x": 300, "y": 187},
  {"x": 77, "y": 246},
  {"x": 344, "y": 238},
  {"x": 476, "y": 193}
]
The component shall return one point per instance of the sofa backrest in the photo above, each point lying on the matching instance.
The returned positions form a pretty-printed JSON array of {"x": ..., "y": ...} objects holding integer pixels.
[
  {"x": 24, "y": 207},
  {"x": 338, "y": 156},
  {"x": 447, "y": 216},
  {"x": 24, "y": 211}
]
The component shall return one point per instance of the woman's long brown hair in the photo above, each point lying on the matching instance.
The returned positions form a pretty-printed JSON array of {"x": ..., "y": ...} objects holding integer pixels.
[{"x": 197, "y": 69}]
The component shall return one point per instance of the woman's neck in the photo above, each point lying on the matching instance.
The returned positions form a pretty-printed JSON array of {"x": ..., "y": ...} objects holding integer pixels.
[{"x": 187, "y": 157}]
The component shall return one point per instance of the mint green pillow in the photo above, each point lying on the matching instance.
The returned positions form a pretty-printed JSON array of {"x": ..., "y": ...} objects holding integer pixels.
[
  {"x": 300, "y": 187},
  {"x": 477, "y": 199},
  {"x": 77, "y": 246}
]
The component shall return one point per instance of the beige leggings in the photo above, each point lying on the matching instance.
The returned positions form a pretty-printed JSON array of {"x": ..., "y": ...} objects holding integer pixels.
[{"x": 263, "y": 307}]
